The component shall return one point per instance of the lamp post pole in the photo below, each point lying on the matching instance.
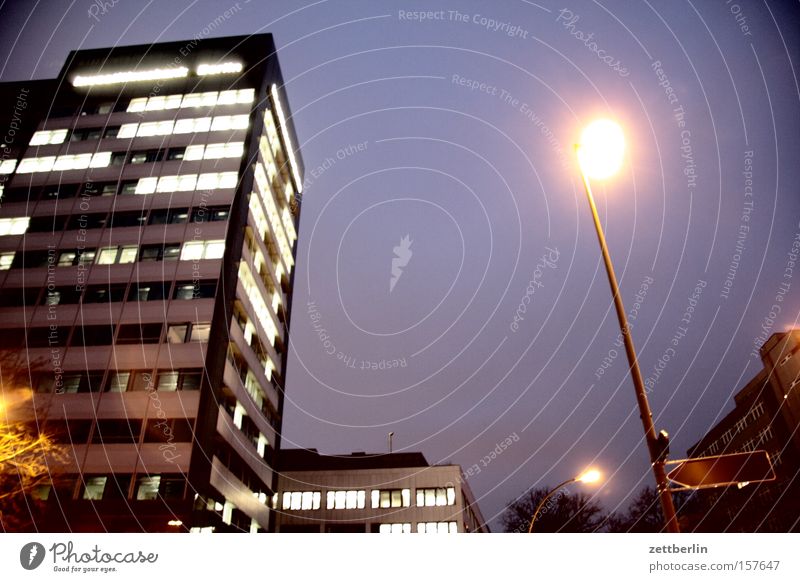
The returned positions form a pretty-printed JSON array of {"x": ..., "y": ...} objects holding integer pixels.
[
  {"x": 656, "y": 459},
  {"x": 546, "y": 497}
]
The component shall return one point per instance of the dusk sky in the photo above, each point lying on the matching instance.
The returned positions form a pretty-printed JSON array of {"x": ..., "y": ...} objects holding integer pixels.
[{"x": 456, "y": 130}]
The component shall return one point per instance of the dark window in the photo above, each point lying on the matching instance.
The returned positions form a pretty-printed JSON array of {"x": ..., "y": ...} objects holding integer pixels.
[
  {"x": 142, "y": 381},
  {"x": 172, "y": 486},
  {"x": 100, "y": 189},
  {"x": 111, "y": 132},
  {"x": 190, "y": 379},
  {"x": 104, "y": 108},
  {"x": 117, "y": 486},
  {"x": 123, "y": 219},
  {"x": 154, "y": 291},
  {"x": 136, "y": 333},
  {"x": 61, "y": 295},
  {"x": 146, "y": 157},
  {"x": 211, "y": 214},
  {"x": 128, "y": 187},
  {"x": 195, "y": 289},
  {"x": 74, "y": 257},
  {"x": 16, "y": 297},
  {"x": 60, "y": 191},
  {"x": 42, "y": 337},
  {"x": 72, "y": 431},
  {"x": 118, "y": 158},
  {"x": 85, "y": 221},
  {"x": 50, "y": 223},
  {"x": 86, "y": 134},
  {"x": 75, "y": 382},
  {"x": 160, "y": 252},
  {"x": 19, "y": 194},
  {"x": 117, "y": 381},
  {"x": 175, "y": 154},
  {"x": 31, "y": 260},
  {"x": 169, "y": 216},
  {"x": 105, "y": 293},
  {"x": 93, "y": 335},
  {"x": 169, "y": 430},
  {"x": 117, "y": 431}
]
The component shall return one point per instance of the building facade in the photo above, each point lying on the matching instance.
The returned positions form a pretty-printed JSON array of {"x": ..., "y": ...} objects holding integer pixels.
[
  {"x": 766, "y": 417},
  {"x": 372, "y": 493},
  {"x": 148, "y": 220}
]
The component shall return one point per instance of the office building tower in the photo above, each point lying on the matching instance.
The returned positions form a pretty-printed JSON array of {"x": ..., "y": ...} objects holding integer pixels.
[{"x": 148, "y": 221}]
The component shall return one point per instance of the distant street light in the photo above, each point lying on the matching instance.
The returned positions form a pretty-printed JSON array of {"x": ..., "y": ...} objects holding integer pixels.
[
  {"x": 589, "y": 476},
  {"x": 600, "y": 155}
]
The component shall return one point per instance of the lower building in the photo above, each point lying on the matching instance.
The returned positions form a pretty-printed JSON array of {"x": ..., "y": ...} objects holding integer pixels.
[
  {"x": 377, "y": 493},
  {"x": 766, "y": 417}
]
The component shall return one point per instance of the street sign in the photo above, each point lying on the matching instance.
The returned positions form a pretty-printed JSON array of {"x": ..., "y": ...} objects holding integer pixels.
[{"x": 720, "y": 470}]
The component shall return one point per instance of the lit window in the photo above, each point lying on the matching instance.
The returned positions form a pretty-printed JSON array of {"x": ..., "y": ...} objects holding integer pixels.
[
  {"x": 228, "y": 122},
  {"x": 100, "y": 160},
  {"x": 200, "y": 332},
  {"x": 301, "y": 500},
  {"x": 192, "y": 125},
  {"x": 232, "y": 97},
  {"x": 127, "y": 130},
  {"x": 94, "y": 488},
  {"x": 353, "y": 499},
  {"x": 107, "y": 256},
  {"x": 30, "y": 165},
  {"x": 129, "y": 76},
  {"x": 14, "y": 225},
  {"x": 437, "y": 527},
  {"x": 176, "y": 334},
  {"x": 5, "y": 261},
  {"x": 432, "y": 497},
  {"x": 394, "y": 528},
  {"x": 48, "y": 137},
  {"x": 138, "y": 104},
  {"x": 193, "y": 152},
  {"x": 8, "y": 166},
  {"x": 128, "y": 254},
  {"x": 391, "y": 498},
  {"x": 146, "y": 185},
  {"x": 229, "y": 67},
  {"x": 119, "y": 381},
  {"x": 217, "y": 180},
  {"x": 286, "y": 139},
  {"x": 196, "y": 250},
  {"x": 147, "y": 488}
]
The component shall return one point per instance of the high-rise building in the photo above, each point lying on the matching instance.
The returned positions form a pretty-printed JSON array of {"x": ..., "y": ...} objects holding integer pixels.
[
  {"x": 766, "y": 417},
  {"x": 148, "y": 220},
  {"x": 377, "y": 493}
]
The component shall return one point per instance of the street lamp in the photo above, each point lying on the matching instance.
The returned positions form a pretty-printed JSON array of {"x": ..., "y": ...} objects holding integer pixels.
[
  {"x": 589, "y": 476},
  {"x": 600, "y": 154}
]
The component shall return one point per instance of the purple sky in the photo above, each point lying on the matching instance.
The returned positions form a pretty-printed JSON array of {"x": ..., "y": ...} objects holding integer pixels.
[{"x": 457, "y": 131}]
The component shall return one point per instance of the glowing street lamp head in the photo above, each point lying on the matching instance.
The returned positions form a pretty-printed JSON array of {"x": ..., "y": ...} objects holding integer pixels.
[
  {"x": 590, "y": 476},
  {"x": 601, "y": 149}
]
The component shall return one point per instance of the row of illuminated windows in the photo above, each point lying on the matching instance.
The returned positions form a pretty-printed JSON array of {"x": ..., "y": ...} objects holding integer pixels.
[
  {"x": 114, "y": 487},
  {"x": 422, "y": 527},
  {"x": 252, "y": 339},
  {"x": 162, "y": 380},
  {"x": 144, "y": 129},
  {"x": 189, "y": 251},
  {"x": 149, "y": 185},
  {"x": 380, "y": 498},
  {"x": 134, "y": 218},
  {"x": 104, "y": 159},
  {"x": 104, "y": 334},
  {"x": 106, "y": 293},
  {"x": 204, "y": 99}
]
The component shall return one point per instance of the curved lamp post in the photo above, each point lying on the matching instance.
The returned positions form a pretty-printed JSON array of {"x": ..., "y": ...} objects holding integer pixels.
[
  {"x": 600, "y": 155},
  {"x": 590, "y": 476}
]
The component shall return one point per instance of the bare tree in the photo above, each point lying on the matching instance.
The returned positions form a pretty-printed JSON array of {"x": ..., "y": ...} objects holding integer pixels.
[{"x": 563, "y": 512}]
